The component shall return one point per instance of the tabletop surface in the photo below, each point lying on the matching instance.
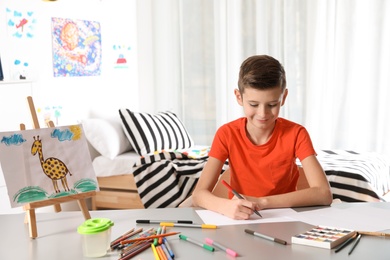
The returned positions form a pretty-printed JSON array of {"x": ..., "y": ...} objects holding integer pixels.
[{"x": 58, "y": 237}]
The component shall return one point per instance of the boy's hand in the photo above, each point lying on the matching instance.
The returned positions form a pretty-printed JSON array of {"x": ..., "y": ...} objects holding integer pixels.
[{"x": 238, "y": 208}]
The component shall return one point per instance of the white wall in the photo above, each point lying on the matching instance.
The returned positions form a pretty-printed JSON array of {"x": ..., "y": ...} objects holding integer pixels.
[{"x": 78, "y": 97}]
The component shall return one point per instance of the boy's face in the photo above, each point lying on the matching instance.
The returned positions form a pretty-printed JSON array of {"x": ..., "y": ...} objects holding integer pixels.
[{"x": 261, "y": 107}]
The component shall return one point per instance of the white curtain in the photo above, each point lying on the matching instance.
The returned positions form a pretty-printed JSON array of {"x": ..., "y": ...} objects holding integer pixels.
[{"x": 335, "y": 52}]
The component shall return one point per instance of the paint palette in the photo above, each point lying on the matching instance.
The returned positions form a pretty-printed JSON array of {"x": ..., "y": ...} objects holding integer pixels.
[{"x": 324, "y": 237}]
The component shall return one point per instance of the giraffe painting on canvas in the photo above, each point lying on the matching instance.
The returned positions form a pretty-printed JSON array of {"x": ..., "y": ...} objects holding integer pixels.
[{"x": 54, "y": 168}]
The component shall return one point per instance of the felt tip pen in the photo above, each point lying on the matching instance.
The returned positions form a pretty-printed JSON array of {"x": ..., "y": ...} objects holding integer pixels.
[
  {"x": 147, "y": 221},
  {"x": 166, "y": 252},
  {"x": 155, "y": 240},
  {"x": 277, "y": 240},
  {"x": 238, "y": 195},
  {"x": 170, "y": 251},
  {"x": 227, "y": 250},
  {"x": 205, "y": 246},
  {"x": 170, "y": 224}
]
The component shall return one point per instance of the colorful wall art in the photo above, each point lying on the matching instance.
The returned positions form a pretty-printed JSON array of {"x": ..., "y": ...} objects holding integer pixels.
[{"x": 77, "y": 49}]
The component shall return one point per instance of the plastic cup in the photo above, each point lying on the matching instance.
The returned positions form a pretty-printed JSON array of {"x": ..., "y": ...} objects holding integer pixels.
[{"x": 96, "y": 236}]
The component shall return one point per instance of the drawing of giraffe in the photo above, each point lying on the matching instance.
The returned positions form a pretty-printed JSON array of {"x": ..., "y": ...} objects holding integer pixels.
[{"x": 54, "y": 168}]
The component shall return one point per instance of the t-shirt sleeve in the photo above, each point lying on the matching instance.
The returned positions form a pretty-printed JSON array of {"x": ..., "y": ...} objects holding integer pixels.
[
  {"x": 219, "y": 147},
  {"x": 304, "y": 145}
]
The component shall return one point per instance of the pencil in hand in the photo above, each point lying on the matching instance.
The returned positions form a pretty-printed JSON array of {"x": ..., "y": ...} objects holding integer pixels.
[{"x": 238, "y": 195}]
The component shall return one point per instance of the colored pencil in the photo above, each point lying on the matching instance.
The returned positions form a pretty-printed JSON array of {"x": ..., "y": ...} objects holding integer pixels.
[
  {"x": 135, "y": 250},
  {"x": 116, "y": 243},
  {"x": 149, "y": 237}
]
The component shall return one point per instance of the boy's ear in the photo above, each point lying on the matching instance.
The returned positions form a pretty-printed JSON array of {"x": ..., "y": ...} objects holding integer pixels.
[
  {"x": 285, "y": 93},
  {"x": 238, "y": 96}
]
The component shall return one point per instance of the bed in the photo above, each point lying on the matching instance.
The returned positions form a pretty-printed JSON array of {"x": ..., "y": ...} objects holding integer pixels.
[
  {"x": 125, "y": 151},
  {"x": 150, "y": 161},
  {"x": 356, "y": 176}
]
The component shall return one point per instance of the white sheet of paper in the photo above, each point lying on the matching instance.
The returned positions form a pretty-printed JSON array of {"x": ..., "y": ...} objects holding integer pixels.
[
  {"x": 269, "y": 215},
  {"x": 363, "y": 218}
]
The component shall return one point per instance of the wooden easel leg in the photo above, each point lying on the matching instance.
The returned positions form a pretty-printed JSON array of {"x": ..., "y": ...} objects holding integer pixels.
[
  {"x": 57, "y": 208},
  {"x": 32, "y": 223},
  {"x": 84, "y": 208}
]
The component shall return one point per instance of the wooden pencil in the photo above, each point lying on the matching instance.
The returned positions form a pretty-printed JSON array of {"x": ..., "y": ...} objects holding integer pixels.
[
  {"x": 149, "y": 237},
  {"x": 377, "y": 234},
  {"x": 136, "y": 251}
]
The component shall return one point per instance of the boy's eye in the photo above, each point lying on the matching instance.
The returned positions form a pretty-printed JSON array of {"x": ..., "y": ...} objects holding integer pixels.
[
  {"x": 253, "y": 105},
  {"x": 272, "y": 105}
]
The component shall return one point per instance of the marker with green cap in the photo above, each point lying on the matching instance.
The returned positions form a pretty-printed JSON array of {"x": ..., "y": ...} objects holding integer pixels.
[{"x": 205, "y": 246}]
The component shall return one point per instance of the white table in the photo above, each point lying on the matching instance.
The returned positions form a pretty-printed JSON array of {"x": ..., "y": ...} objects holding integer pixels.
[{"x": 58, "y": 237}]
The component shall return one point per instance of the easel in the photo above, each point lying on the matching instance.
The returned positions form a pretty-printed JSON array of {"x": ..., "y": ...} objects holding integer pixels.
[{"x": 30, "y": 207}]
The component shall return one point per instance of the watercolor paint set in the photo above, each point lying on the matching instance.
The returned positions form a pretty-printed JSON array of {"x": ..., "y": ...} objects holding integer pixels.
[{"x": 322, "y": 236}]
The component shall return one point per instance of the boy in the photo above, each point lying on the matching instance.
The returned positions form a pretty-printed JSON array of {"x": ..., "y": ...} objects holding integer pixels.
[{"x": 262, "y": 149}]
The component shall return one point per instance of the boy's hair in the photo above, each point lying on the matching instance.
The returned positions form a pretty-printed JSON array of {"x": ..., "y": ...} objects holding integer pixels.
[{"x": 261, "y": 72}]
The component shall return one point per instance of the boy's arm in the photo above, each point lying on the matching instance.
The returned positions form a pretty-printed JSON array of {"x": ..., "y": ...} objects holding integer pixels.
[
  {"x": 204, "y": 198},
  {"x": 318, "y": 192}
]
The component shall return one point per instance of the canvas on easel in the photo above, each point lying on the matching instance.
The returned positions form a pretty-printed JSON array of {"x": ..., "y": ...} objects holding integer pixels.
[
  {"x": 45, "y": 167},
  {"x": 47, "y": 163}
]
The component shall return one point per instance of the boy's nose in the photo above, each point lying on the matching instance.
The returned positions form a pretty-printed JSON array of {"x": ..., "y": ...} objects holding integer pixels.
[{"x": 261, "y": 111}]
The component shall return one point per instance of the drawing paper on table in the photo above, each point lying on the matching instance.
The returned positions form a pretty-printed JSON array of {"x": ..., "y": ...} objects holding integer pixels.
[
  {"x": 271, "y": 215},
  {"x": 370, "y": 218}
]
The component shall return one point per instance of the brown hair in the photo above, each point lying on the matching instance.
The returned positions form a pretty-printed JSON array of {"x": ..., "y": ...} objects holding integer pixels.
[{"x": 261, "y": 72}]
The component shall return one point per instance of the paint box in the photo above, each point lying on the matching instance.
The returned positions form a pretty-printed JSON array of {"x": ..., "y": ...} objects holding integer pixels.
[{"x": 323, "y": 236}]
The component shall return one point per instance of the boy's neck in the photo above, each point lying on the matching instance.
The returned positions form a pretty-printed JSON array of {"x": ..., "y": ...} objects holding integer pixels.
[{"x": 259, "y": 136}]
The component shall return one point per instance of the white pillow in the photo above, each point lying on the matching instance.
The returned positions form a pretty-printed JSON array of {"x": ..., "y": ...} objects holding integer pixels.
[
  {"x": 153, "y": 133},
  {"x": 106, "y": 136}
]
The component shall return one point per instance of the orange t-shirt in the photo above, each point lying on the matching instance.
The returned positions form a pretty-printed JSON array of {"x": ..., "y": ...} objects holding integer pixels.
[{"x": 262, "y": 170}]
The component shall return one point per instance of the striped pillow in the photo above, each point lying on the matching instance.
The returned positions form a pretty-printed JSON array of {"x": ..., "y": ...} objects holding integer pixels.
[{"x": 153, "y": 133}]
